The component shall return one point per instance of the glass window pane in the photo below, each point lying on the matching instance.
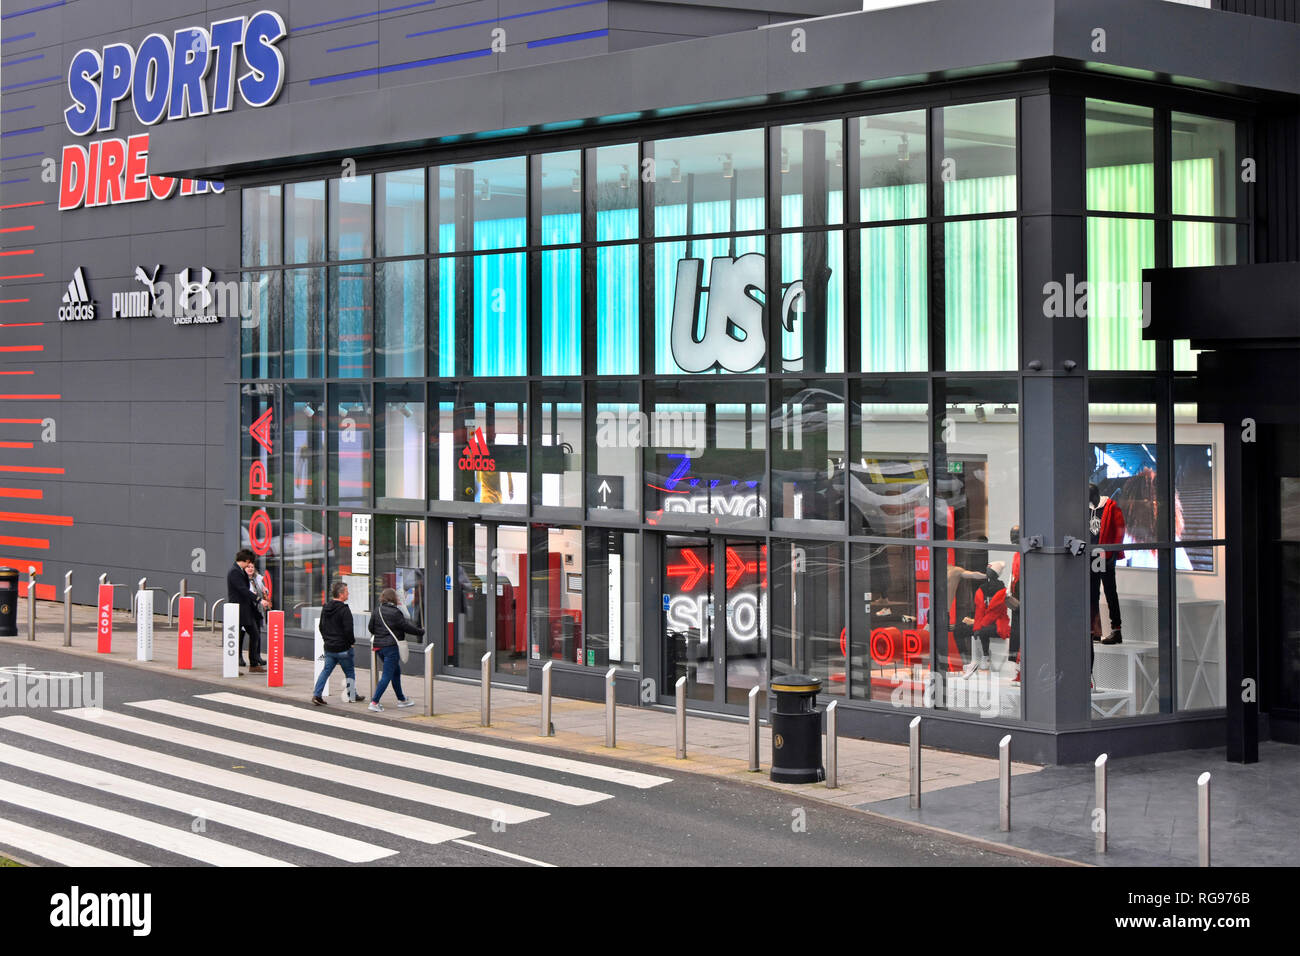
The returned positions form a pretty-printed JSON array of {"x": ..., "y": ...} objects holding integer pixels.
[
  {"x": 1204, "y": 165},
  {"x": 1118, "y": 251},
  {"x": 399, "y": 319},
  {"x": 468, "y": 605},
  {"x": 721, "y": 174},
  {"x": 709, "y": 304},
  {"x": 619, "y": 432},
  {"x": 557, "y": 458},
  {"x": 1202, "y": 674},
  {"x": 806, "y": 579},
  {"x": 811, "y": 159},
  {"x": 557, "y": 179},
  {"x": 350, "y": 298},
  {"x": 397, "y": 555},
  {"x": 1121, "y": 157},
  {"x": 481, "y": 205},
  {"x": 982, "y": 295},
  {"x": 304, "y": 413},
  {"x": 1198, "y": 488},
  {"x": 707, "y": 453},
  {"x": 895, "y": 297},
  {"x": 478, "y": 445},
  {"x": 1126, "y": 676},
  {"x": 399, "y": 226},
  {"x": 350, "y": 211},
  {"x": 1201, "y": 244},
  {"x": 1124, "y": 469},
  {"x": 304, "y": 222},
  {"x": 259, "y": 333},
  {"x": 889, "y": 637},
  {"x": 556, "y": 605},
  {"x": 613, "y": 581},
  {"x": 889, "y": 465},
  {"x": 892, "y": 165},
  {"x": 304, "y": 323},
  {"x": 351, "y": 434},
  {"x": 979, "y": 489},
  {"x": 807, "y": 450},
  {"x": 812, "y": 302},
  {"x": 399, "y": 446},
  {"x": 500, "y": 285},
  {"x": 260, "y": 231},
  {"x": 979, "y": 150},
  {"x": 618, "y": 310},
  {"x": 561, "y": 312},
  {"x": 976, "y": 667},
  {"x": 617, "y": 192},
  {"x": 302, "y": 570}
]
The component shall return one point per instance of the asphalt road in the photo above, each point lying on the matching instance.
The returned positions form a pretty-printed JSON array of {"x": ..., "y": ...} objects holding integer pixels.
[{"x": 510, "y": 806}]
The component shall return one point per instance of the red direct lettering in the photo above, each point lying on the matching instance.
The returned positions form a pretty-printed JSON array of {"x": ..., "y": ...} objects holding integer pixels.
[
  {"x": 112, "y": 163},
  {"x": 162, "y": 187},
  {"x": 137, "y": 168},
  {"x": 72, "y": 182}
]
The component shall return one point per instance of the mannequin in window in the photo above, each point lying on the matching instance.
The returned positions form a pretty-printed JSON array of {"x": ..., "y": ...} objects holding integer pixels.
[
  {"x": 963, "y": 582},
  {"x": 1105, "y": 527}
]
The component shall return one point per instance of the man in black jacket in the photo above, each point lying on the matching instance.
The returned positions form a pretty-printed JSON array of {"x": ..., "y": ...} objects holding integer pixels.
[
  {"x": 239, "y": 592},
  {"x": 338, "y": 637}
]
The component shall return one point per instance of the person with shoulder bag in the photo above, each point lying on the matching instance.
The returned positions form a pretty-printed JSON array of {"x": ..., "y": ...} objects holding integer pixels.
[{"x": 389, "y": 625}]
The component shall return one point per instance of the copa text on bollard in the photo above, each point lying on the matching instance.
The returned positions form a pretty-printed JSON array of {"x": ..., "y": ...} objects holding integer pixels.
[{"x": 796, "y": 730}]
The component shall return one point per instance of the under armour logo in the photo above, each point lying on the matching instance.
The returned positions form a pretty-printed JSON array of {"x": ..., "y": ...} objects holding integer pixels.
[{"x": 191, "y": 289}]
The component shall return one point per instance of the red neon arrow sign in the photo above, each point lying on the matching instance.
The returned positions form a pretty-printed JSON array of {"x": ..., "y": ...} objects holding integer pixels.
[{"x": 692, "y": 570}]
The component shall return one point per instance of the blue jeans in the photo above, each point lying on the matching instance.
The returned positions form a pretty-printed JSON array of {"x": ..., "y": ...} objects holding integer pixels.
[
  {"x": 344, "y": 660},
  {"x": 392, "y": 673}
]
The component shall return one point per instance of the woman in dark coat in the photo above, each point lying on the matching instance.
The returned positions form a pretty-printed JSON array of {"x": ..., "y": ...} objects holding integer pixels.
[{"x": 388, "y": 625}]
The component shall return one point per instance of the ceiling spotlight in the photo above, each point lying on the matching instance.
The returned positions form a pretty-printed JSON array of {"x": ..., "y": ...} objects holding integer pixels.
[
  {"x": 624, "y": 178},
  {"x": 676, "y": 174},
  {"x": 904, "y": 149},
  {"x": 308, "y": 410},
  {"x": 839, "y": 156},
  {"x": 404, "y": 409},
  {"x": 1004, "y": 410},
  {"x": 485, "y": 190},
  {"x": 980, "y": 415},
  {"x": 728, "y": 167},
  {"x": 785, "y": 159},
  {"x": 576, "y": 186}
]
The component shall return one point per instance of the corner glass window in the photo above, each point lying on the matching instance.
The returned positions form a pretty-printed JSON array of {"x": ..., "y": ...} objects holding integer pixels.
[
  {"x": 978, "y": 461},
  {"x": 889, "y": 464},
  {"x": 304, "y": 323},
  {"x": 982, "y": 308},
  {"x": 399, "y": 447},
  {"x": 979, "y": 158},
  {"x": 812, "y": 301},
  {"x": 481, "y": 205},
  {"x": 351, "y": 444},
  {"x": 808, "y": 451},
  {"x": 399, "y": 319},
  {"x": 304, "y": 222},
  {"x": 618, "y": 308},
  {"x": 259, "y": 333},
  {"x": 1205, "y": 169},
  {"x": 616, "y": 191},
  {"x": 260, "y": 234},
  {"x": 304, "y": 414},
  {"x": 557, "y": 185},
  {"x": 350, "y": 297},
  {"x": 894, "y": 299},
  {"x": 1121, "y": 157},
  {"x": 708, "y": 184},
  {"x": 810, "y": 158}
]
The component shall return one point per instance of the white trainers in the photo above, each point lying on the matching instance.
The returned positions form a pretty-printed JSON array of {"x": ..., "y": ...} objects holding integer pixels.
[
  {"x": 406, "y": 703},
  {"x": 376, "y": 706},
  {"x": 969, "y": 669}
]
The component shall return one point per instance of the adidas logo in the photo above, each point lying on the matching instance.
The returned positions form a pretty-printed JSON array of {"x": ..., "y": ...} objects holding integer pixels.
[
  {"x": 77, "y": 303},
  {"x": 477, "y": 456}
]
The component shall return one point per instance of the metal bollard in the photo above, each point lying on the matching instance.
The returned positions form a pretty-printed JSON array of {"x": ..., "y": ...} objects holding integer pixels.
[
  {"x": 753, "y": 728},
  {"x": 1203, "y": 819},
  {"x": 914, "y": 762},
  {"x": 185, "y": 587},
  {"x": 485, "y": 702},
  {"x": 832, "y": 745},
  {"x": 681, "y": 718},
  {"x": 67, "y": 609},
  {"x": 610, "y": 707},
  {"x": 139, "y": 588},
  {"x": 1004, "y": 783},
  {"x": 103, "y": 578},
  {"x": 1099, "y": 822},
  {"x": 31, "y": 602},
  {"x": 548, "y": 729},
  {"x": 428, "y": 679}
]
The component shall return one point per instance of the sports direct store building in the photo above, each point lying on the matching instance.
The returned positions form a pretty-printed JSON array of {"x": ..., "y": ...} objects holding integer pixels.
[{"x": 910, "y": 348}]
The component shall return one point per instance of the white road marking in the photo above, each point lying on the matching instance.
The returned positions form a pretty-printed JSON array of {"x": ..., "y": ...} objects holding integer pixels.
[
  {"x": 359, "y": 814},
  {"x": 513, "y": 856},
  {"x": 61, "y": 850},
  {"x": 274, "y": 828},
  {"x": 152, "y": 834},
  {"x": 594, "y": 771},
  {"x": 345, "y": 776},
  {"x": 531, "y": 786}
]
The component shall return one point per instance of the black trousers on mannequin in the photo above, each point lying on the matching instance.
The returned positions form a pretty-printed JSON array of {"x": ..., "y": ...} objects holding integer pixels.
[
  {"x": 1106, "y": 579},
  {"x": 963, "y": 632}
]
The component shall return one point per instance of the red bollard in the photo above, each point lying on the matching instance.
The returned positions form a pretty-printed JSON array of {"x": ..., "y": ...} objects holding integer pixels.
[
  {"x": 275, "y": 649},
  {"x": 105, "y": 619},
  {"x": 185, "y": 635}
]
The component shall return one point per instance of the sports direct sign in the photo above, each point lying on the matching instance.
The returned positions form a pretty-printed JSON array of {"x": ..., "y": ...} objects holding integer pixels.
[{"x": 194, "y": 72}]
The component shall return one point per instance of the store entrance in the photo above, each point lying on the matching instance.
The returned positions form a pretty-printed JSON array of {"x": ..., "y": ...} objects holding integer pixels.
[
  {"x": 715, "y": 619},
  {"x": 487, "y": 598}
]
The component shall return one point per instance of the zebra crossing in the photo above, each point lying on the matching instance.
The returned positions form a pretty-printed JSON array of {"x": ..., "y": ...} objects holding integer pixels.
[{"x": 142, "y": 776}]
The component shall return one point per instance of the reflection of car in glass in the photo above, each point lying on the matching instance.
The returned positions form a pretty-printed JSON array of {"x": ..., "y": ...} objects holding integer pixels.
[{"x": 291, "y": 540}]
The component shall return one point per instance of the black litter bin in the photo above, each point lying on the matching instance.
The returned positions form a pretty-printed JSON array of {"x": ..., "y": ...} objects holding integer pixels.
[
  {"x": 8, "y": 602},
  {"x": 796, "y": 730}
]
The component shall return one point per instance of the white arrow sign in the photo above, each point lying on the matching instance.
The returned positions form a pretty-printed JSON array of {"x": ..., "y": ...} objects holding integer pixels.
[{"x": 604, "y": 489}]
